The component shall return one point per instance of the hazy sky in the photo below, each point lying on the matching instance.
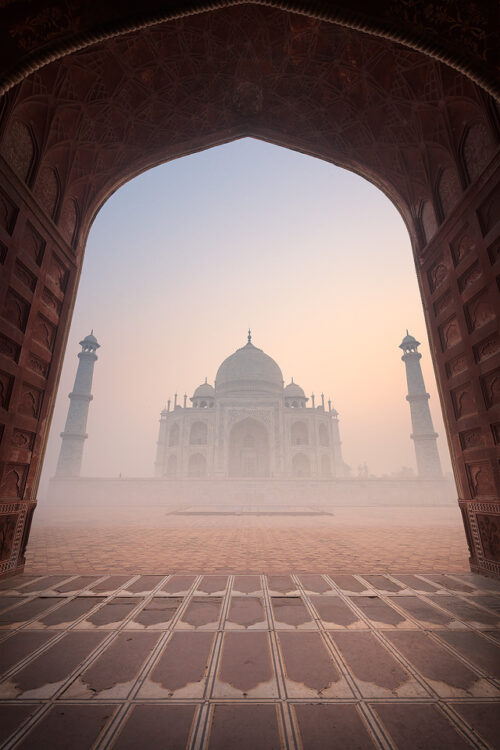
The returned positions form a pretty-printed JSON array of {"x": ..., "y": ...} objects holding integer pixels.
[{"x": 183, "y": 259}]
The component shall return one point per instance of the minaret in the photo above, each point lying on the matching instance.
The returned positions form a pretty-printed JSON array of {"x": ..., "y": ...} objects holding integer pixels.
[
  {"x": 74, "y": 435},
  {"x": 339, "y": 469},
  {"x": 423, "y": 436},
  {"x": 161, "y": 444}
]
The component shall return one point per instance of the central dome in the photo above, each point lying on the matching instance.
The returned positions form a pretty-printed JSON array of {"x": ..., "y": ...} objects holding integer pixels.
[{"x": 249, "y": 370}]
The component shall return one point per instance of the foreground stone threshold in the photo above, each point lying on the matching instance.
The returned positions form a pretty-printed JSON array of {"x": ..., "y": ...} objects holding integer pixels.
[{"x": 311, "y": 661}]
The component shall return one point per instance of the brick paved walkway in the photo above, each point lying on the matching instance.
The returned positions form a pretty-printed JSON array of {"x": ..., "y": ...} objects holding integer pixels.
[
  {"x": 272, "y": 662},
  {"x": 365, "y": 539}
]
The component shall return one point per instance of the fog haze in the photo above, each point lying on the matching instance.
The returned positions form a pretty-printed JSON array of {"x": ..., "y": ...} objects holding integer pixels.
[{"x": 184, "y": 258}]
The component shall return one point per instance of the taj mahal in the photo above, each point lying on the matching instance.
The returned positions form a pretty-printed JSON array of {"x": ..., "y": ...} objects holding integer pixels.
[
  {"x": 249, "y": 424},
  {"x": 248, "y": 442}
]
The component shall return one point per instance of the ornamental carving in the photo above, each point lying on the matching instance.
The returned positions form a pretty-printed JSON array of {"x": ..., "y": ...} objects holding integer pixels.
[
  {"x": 463, "y": 246},
  {"x": 44, "y": 332},
  {"x": 463, "y": 401},
  {"x": 478, "y": 147},
  {"x": 18, "y": 149},
  {"x": 479, "y": 311},
  {"x": 57, "y": 273},
  {"x": 50, "y": 301},
  {"x": 471, "y": 438},
  {"x": 438, "y": 274},
  {"x": 47, "y": 190},
  {"x": 481, "y": 482},
  {"x": 22, "y": 439},
  {"x": 25, "y": 276},
  {"x": 489, "y": 530},
  {"x": 470, "y": 277},
  {"x": 16, "y": 310},
  {"x": 490, "y": 384},
  {"x": 30, "y": 402},
  {"x": 13, "y": 481},
  {"x": 443, "y": 303},
  {"x": 456, "y": 366},
  {"x": 33, "y": 244},
  {"x": 450, "y": 190},
  {"x": 487, "y": 348},
  {"x": 450, "y": 334},
  {"x": 38, "y": 365},
  {"x": 7, "y": 534}
]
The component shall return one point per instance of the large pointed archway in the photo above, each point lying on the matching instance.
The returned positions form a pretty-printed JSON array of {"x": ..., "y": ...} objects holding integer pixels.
[{"x": 77, "y": 128}]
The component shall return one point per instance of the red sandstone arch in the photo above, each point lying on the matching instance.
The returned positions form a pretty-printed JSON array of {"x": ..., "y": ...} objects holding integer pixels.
[{"x": 74, "y": 130}]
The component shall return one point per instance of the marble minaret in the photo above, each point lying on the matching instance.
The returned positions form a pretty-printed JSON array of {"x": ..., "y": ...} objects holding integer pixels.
[
  {"x": 74, "y": 435},
  {"x": 423, "y": 436}
]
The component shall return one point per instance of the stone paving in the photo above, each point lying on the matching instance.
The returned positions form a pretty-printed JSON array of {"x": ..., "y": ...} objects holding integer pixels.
[
  {"x": 216, "y": 662},
  {"x": 354, "y": 540}
]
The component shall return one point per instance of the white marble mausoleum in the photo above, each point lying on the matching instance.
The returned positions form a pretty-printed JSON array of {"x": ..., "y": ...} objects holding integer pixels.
[{"x": 249, "y": 424}]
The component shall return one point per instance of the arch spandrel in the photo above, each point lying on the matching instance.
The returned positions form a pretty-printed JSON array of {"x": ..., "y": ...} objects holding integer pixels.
[
  {"x": 463, "y": 35},
  {"x": 390, "y": 113}
]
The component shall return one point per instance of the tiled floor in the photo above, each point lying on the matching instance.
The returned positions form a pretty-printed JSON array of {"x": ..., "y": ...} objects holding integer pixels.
[
  {"x": 250, "y": 662},
  {"x": 353, "y": 539}
]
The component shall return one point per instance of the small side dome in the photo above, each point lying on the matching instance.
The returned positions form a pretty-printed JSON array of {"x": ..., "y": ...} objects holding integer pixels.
[
  {"x": 292, "y": 390},
  {"x": 294, "y": 396},
  {"x": 204, "y": 396},
  {"x": 205, "y": 390}
]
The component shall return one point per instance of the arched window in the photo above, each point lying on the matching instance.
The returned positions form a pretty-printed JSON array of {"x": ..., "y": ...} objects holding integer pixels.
[
  {"x": 300, "y": 434},
  {"x": 172, "y": 466},
  {"x": 197, "y": 466},
  {"x": 198, "y": 433},
  {"x": 301, "y": 466},
  {"x": 324, "y": 438},
  {"x": 173, "y": 438}
]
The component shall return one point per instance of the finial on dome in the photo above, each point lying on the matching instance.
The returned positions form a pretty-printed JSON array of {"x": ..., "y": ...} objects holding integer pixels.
[
  {"x": 206, "y": 381},
  {"x": 249, "y": 336},
  {"x": 292, "y": 380}
]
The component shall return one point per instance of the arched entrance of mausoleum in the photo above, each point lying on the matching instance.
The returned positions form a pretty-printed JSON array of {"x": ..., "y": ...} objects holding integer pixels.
[
  {"x": 76, "y": 129},
  {"x": 248, "y": 449}
]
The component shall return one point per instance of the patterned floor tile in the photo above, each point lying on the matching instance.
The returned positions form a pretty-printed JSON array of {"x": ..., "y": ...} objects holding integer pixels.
[{"x": 281, "y": 660}]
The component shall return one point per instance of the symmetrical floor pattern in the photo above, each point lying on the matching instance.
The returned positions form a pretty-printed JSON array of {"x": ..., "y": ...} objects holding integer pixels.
[{"x": 248, "y": 662}]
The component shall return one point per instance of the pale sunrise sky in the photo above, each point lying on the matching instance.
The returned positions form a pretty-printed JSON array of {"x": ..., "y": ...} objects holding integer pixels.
[{"x": 184, "y": 258}]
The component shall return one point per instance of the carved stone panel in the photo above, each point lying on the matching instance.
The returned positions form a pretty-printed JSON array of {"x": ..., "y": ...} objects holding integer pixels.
[
  {"x": 30, "y": 401},
  {"x": 489, "y": 530},
  {"x": 490, "y": 385},
  {"x": 487, "y": 348},
  {"x": 13, "y": 481},
  {"x": 44, "y": 332},
  {"x": 464, "y": 403},
  {"x": 463, "y": 245},
  {"x": 450, "y": 333},
  {"x": 471, "y": 438},
  {"x": 16, "y": 309},
  {"x": 481, "y": 481},
  {"x": 33, "y": 244},
  {"x": 479, "y": 311}
]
